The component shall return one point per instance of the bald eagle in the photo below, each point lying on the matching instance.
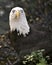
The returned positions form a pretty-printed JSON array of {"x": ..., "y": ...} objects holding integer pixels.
[
  {"x": 18, "y": 21},
  {"x": 25, "y": 41}
]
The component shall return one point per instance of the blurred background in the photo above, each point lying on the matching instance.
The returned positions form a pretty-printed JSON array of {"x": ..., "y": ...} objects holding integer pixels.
[{"x": 37, "y": 11}]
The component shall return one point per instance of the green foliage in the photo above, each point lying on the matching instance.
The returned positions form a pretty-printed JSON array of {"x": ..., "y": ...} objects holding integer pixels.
[{"x": 35, "y": 58}]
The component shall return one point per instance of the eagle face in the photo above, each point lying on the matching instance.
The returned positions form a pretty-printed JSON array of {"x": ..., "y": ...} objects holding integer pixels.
[
  {"x": 18, "y": 21},
  {"x": 16, "y": 13}
]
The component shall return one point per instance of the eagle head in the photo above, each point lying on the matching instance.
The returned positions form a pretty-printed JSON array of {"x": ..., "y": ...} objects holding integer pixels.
[{"x": 18, "y": 21}]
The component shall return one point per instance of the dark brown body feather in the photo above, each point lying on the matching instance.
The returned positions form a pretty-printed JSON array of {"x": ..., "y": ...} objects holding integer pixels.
[{"x": 33, "y": 41}]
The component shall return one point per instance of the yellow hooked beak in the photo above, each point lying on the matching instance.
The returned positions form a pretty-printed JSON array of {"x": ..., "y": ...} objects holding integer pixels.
[{"x": 17, "y": 14}]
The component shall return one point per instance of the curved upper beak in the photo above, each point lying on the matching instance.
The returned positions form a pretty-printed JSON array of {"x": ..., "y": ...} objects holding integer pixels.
[{"x": 17, "y": 14}]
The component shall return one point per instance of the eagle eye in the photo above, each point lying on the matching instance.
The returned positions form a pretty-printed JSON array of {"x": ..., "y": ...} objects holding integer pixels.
[
  {"x": 13, "y": 11},
  {"x": 21, "y": 11}
]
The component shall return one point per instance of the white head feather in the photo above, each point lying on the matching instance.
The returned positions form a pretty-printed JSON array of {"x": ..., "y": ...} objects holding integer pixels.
[{"x": 18, "y": 21}]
